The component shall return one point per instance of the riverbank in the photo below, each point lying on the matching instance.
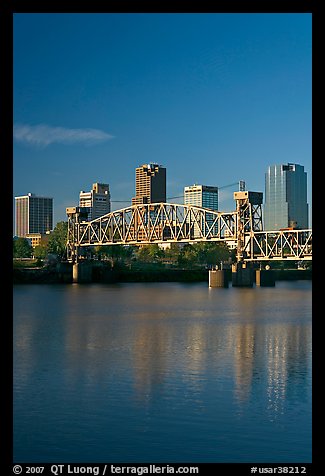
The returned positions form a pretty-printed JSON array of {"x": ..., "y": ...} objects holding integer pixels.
[{"x": 62, "y": 273}]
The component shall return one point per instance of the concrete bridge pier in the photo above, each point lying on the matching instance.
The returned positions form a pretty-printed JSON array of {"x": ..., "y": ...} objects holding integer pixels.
[
  {"x": 242, "y": 276},
  {"x": 265, "y": 277},
  {"x": 82, "y": 273},
  {"x": 218, "y": 278}
]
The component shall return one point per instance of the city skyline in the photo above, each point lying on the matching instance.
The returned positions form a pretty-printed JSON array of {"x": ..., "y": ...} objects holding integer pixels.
[{"x": 215, "y": 98}]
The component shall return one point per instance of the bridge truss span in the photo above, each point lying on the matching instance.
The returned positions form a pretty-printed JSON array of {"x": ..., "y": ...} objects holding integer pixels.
[
  {"x": 143, "y": 224},
  {"x": 278, "y": 245},
  {"x": 152, "y": 223}
]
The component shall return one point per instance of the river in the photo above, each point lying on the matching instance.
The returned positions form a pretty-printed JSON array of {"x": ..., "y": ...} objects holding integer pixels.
[{"x": 162, "y": 372}]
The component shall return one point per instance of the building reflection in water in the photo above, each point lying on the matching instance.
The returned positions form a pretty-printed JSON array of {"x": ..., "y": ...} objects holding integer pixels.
[
  {"x": 150, "y": 347},
  {"x": 243, "y": 355},
  {"x": 152, "y": 344},
  {"x": 276, "y": 344},
  {"x": 287, "y": 358}
]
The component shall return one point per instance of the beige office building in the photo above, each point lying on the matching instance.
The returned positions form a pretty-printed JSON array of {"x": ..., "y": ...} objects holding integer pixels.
[
  {"x": 35, "y": 238},
  {"x": 98, "y": 200}
]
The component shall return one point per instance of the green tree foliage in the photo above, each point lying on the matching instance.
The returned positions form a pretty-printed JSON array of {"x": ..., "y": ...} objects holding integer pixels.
[
  {"x": 187, "y": 257},
  {"x": 121, "y": 252},
  {"x": 41, "y": 251},
  {"x": 116, "y": 254},
  {"x": 203, "y": 254},
  {"x": 197, "y": 255},
  {"x": 212, "y": 253},
  {"x": 101, "y": 251},
  {"x": 22, "y": 248},
  {"x": 172, "y": 254},
  {"x": 149, "y": 254},
  {"x": 58, "y": 239}
]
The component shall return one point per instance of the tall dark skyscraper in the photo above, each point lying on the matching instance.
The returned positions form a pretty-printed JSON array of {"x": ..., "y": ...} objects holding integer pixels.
[
  {"x": 33, "y": 215},
  {"x": 150, "y": 184},
  {"x": 285, "y": 197}
]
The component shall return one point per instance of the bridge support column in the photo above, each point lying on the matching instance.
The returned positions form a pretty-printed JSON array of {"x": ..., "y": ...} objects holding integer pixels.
[
  {"x": 82, "y": 273},
  {"x": 218, "y": 278},
  {"x": 242, "y": 276},
  {"x": 265, "y": 277}
]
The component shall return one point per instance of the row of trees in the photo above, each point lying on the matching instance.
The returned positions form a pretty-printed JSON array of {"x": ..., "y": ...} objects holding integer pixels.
[
  {"x": 54, "y": 243},
  {"x": 188, "y": 256},
  {"x": 22, "y": 248}
]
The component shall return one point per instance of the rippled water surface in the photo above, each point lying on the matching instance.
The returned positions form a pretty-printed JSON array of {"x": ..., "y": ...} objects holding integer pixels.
[{"x": 162, "y": 372}]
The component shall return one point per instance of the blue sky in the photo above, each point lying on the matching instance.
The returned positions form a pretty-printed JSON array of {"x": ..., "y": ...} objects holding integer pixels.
[{"x": 215, "y": 98}]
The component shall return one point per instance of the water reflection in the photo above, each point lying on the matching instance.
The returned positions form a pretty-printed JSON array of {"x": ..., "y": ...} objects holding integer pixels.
[
  {"x": 155, "y": 345},
  {"x": 149, "y": 364},
  {"x": 158, "y": 344},
  {"x": 243, "y": 355}
]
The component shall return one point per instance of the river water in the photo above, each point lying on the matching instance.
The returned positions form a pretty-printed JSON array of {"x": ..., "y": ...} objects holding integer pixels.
[{"x": 162, "y": 372}]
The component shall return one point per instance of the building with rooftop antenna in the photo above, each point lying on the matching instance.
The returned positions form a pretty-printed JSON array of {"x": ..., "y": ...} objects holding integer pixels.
[{"x": 150, "y": 184}]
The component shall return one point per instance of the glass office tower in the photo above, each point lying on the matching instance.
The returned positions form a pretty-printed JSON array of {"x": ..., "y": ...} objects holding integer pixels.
[{"x": 285, "y": 197}]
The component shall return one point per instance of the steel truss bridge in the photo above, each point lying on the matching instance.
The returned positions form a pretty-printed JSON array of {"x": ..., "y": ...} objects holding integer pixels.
[{"x": 172, "y": 223}]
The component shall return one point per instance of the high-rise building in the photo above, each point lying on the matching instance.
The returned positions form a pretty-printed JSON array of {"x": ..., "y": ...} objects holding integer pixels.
[
  {"x": 202, "y": 196},
  {"x": 285, "y": 197},
  {"x": 150, "y": 184},
  {"x": 98, "y": 200},
  {"x": 33, "y": 215}
]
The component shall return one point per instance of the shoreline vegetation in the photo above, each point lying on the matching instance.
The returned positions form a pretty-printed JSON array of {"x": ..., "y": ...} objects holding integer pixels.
[
  {"x": 102, "y": 273},
  {"x": 124, "y": 263}
]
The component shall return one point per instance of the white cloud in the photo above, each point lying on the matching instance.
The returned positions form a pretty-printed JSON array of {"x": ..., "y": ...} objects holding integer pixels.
[{"x": 43, "y": 135}]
